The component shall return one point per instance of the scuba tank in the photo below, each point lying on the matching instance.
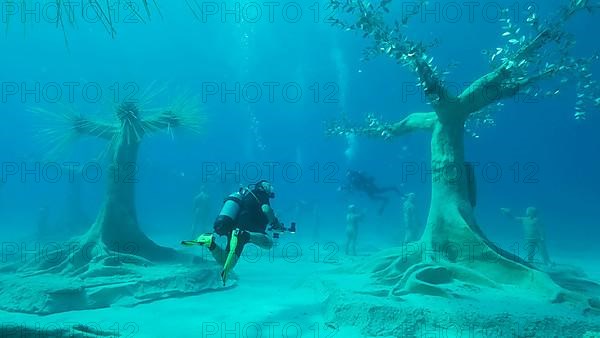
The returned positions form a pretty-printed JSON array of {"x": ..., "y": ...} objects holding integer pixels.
[
  {"x": 228, "y": 214},
  {"x": 230, "y": 211},
  {"x": 231, "y": 206}
]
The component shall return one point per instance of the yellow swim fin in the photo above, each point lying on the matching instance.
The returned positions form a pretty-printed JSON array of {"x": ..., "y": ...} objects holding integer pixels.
[
  {"x": 202, "y": 240},
  {"x": 231, "y": 256}
]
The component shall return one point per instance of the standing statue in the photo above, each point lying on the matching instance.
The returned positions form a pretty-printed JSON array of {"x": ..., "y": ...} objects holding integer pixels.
[
  {"x": 411, "y": 224},
  {"x": 535, "y": 237},
  {"x": 201, "y": 211},
  {"x": 353, "y": 217}
]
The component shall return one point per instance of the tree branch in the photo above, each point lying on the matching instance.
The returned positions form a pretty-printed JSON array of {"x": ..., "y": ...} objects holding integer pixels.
[
  {"x": 169, "y": 119},
  {"x": 513, "y": 75},
  {"x": 437, "y": 94},
  {"x": 414, "y": 122},
  {"x": 88, "y": 127},
  {"x": 391, "y": 41},
  {"x": 378, "y": 129},
  {"x": 161, "y": 121},
  {"x": 495, "y": 86},
  {"x": 518, "y": 70}
]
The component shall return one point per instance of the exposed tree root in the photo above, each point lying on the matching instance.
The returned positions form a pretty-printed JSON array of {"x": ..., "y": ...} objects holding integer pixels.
[
  {"x": 90, "y": 274},
  {"x": 403, "y": 271}
]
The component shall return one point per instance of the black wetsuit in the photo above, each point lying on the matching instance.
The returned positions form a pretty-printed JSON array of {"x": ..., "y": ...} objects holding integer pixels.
[
  {"x": 359, "y": 181},
  {"x": 250, "y": 217}
]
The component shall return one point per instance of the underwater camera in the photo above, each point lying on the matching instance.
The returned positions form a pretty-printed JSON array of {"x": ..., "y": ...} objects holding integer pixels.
[{"x": 278, "y": 231}]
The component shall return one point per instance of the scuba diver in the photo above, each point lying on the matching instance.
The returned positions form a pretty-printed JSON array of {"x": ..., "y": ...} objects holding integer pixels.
[
  {"x": 244, "y": 218},
  {"x": 359, "y": 181}
]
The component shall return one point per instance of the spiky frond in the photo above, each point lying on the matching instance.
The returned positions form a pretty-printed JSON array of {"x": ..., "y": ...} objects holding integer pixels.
[
  {"x": 62, "y": 127},
  {"x": 133, "y": 120},
  {"x": 184, "y": 112},
  {"x": 148, "y": 114}
]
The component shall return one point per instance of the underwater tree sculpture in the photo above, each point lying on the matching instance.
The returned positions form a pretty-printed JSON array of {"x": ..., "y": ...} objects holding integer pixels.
[
  {"x": 453, "y": 248},
  {"x": 114, "y": 262},
  {"x": 116, "y": 228}
]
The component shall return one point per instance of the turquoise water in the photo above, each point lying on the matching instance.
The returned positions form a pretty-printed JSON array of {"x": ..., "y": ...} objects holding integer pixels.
[{"x": 256, "y": 87}]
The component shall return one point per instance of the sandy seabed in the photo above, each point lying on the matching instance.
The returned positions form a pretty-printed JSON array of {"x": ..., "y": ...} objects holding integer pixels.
[{"x": 287, "y": 294}]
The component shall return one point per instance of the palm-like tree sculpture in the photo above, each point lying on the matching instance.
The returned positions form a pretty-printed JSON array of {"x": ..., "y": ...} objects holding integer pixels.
[
  {"x": 116, "y": 229},
  {"x": 115, "y": 260}
]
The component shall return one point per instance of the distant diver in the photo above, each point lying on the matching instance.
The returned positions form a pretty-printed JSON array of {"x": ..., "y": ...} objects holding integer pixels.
[
  {"x": 535, "y": 238},
  {"x": 353, "y": 217},
  {"x": 244, "y": 218},
  {"x": 360, "y": 181}
]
